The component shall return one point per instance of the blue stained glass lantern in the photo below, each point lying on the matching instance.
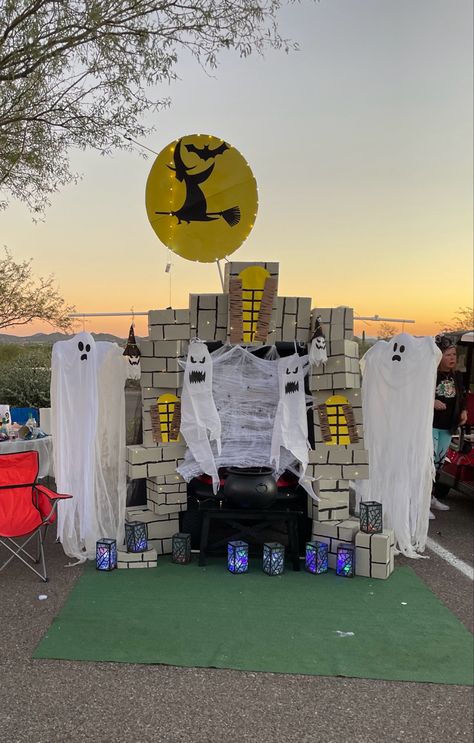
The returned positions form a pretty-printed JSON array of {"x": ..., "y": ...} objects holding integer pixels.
[
  {"x": 237, "y": 557},
  {"x": 136, "y": 536},
  {"x": 181, "y": 548},
  {"x": 371, "y": 520},
  {"x": 316, "y": 559},
  {"x": 106, "y": 554},
  {"x": 345, "y": 564},
  {"x": 273, "y": 558}
]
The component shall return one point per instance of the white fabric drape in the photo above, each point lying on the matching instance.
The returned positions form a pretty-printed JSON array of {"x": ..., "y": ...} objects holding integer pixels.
[
  {"x": 398, "y": 386},
  {"x": 88, "y": 422}
]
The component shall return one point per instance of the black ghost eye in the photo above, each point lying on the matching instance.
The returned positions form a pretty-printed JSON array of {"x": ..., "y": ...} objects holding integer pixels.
[
  {"x": 395, "y": 346},
  {"x": 202, "y": 360},
  {"x": 402, "y": 348},
  {"x": 193, "y": 361},
  {"x": 296, "y": 371},
  {"x": 288, "y": 371},
  {"x": 88, "y": 348},
  {"x": 80, "y": 346}
]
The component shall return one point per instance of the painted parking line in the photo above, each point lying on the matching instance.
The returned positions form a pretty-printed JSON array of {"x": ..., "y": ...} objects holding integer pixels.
[{"x": 451, "y": 559}]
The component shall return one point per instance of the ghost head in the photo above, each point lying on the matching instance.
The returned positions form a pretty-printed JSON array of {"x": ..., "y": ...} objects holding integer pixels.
[
  {"x": 198, "y": 366},
  {"x": 132, "y": 355},
  {"x": 318, "y": 354},
  {"x": 401, "y": 359}
]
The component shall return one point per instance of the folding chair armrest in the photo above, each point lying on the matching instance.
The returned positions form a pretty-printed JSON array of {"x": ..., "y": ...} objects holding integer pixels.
[{"x": 51, "y": 494}]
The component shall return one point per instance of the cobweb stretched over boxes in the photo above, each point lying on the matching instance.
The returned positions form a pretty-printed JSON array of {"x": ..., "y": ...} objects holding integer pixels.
[{"x": 246, "y": 393}]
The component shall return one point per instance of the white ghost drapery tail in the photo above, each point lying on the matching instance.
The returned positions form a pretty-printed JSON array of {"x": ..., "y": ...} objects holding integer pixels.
[
  {"x": 398, "y": 393},
  {"x": 290, "y": 428},
  {"x": 88, "y": 425},
  {"x": 200, "y": 422}
]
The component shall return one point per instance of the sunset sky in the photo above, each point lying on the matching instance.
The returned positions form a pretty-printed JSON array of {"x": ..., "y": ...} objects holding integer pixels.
[{"x": 361, "y": 145}]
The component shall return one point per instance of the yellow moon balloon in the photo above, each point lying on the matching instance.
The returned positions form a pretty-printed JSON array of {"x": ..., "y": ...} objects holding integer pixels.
[{"x": 201, "y": 198}]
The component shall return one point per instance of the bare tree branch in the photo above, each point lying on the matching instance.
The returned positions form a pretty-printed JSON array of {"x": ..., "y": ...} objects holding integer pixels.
[{"x": 24, "y": 298}]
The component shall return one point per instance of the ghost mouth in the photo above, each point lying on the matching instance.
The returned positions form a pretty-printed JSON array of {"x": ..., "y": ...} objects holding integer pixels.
[
  {"x": 84, "y": 357},
  {"x": 197, "y": 376},
  {"x": 396, "y": 357},
  {"x": 291, "y": 387}
]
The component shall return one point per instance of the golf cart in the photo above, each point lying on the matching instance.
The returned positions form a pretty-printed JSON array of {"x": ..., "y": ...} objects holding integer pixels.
[{"x": 458, "y": 468}]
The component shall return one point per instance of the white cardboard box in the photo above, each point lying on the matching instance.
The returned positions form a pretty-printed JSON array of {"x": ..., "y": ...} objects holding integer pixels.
[{"x": 375, "y": 554}]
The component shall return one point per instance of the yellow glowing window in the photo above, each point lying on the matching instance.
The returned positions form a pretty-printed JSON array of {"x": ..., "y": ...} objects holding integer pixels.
[
  {"x": 253, "y": 281},
  {"x": 166, "y": 405},
  {"x": 337, "y": 420}
]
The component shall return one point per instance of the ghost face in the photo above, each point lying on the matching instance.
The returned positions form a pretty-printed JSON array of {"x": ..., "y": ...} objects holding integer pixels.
[
  {"x": 197, "y": 371},
  {"x": 292, "y": 384},
  {"x": 134, "y": 360},
  {"x": 320, "y": 342},
  {"x": 398, "y": 351},
  {"x": 198, "y": 366},
  {"x": 84, "y": 349}
]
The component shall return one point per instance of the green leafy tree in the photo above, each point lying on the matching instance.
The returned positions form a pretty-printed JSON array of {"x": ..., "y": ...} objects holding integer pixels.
[
  {"x": 24, "y": 298},
  {"x": 79, "y": 73}
]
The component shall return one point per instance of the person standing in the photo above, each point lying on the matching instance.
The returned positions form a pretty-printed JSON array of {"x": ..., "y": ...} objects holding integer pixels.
[{"x": 449, "y": 408}]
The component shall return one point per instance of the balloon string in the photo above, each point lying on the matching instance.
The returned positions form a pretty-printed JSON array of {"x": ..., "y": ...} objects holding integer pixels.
[{"x": 220, "y": 273}]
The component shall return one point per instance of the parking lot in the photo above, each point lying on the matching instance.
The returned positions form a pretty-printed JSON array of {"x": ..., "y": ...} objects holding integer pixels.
[{"x": 44, "y": 701}]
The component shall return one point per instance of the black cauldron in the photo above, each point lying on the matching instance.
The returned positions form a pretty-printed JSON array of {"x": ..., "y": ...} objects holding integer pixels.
[{"x": 250, "y": 487}]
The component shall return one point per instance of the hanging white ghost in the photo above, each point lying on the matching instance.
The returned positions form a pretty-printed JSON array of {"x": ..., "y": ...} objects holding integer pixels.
[
  {"x": 200, "y": 422},
  {"x": 290, "y": 428},
  {"x": 398, "y": 386},
  {"x": 132, "y": 356},
  {"x": 88, "y": 425},
  {"x": 317, "y": 352}
]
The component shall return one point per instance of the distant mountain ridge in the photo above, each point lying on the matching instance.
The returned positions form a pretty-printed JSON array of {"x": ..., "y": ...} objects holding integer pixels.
[{"x": 51, "y": 338}]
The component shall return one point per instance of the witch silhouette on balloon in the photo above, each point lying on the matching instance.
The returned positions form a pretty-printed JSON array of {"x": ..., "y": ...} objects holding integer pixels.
[{"x": 194, "y": 208}]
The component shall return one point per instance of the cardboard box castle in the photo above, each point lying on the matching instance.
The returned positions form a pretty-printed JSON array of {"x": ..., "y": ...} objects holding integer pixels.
[{"x": 249, "y": 311}]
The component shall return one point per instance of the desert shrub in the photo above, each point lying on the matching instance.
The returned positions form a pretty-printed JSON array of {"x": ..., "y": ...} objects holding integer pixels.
[{"x": 25, "y": 375}]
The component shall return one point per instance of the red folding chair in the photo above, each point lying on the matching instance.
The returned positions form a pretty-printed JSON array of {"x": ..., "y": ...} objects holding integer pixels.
[{"x": 26, "y": 509}]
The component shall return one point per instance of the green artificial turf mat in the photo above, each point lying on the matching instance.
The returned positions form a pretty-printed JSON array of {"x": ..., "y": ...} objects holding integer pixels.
[{"x": 293, "y": 623}]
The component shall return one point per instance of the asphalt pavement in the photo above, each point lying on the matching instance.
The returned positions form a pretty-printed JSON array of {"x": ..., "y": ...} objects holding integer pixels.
[{"x": 48, "y": 701}]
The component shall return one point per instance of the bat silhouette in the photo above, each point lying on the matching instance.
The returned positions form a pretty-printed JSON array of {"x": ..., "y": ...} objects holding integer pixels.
[
  {"x": 194, "y": 208},
  {"x": 204, "y": 153}
]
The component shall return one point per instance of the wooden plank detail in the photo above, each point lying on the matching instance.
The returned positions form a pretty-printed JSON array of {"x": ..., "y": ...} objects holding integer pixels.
[
  {"x": 351, "y": 424},
  {"x": 236, "y": 319},
  {"x": 324, "y": 423},
  {"x": 155, "y": 424},
  {"x": 175, "y": 422},
  {"x": 266, "y": 308}
]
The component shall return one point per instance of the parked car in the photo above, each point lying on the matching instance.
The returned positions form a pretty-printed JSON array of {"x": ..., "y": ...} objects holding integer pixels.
[{"x": 458, "y": 469}]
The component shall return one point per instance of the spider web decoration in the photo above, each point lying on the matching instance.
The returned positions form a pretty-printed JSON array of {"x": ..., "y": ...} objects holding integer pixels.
[{"x": 246, "y": 393}]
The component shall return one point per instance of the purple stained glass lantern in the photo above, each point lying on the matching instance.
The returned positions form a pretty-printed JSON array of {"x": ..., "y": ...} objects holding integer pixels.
[
  {"x": 345, "y": 564},
  {"x": 181, "y": 548},
  {"x": 371, "y": 517},
  {"x": 136, "y": 536},
  {"x": 316, "y": 559},
  {"x": 106, "y": 554},
  {"x": 237, "y": 557},
  {"x": 273, "y": 558}
]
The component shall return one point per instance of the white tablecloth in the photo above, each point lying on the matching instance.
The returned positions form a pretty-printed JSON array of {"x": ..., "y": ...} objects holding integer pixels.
[{"x": 43, "y": 446}]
